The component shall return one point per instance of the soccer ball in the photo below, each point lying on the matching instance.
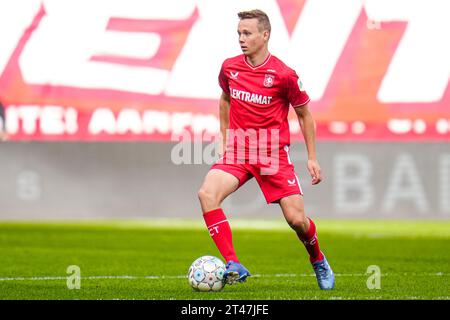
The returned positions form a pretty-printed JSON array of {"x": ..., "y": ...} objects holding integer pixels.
[{"x": 206, "y": 274}]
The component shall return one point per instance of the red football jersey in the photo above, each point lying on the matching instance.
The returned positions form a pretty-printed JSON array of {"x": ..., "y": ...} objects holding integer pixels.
[{"x": 260, "y": 97}]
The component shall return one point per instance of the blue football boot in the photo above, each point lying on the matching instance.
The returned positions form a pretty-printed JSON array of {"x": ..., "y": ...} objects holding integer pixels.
[
  {"x": 324, "y": 274},
  {"x": 236, "y": 272}
]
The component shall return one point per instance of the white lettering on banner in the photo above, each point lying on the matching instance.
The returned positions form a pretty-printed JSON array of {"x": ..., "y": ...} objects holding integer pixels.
[
  {"x": 60, "y": 51},
  {"x": 15, "y": 17},
  {"x": 318, "y": 40},
  {"x": 156, "y": 121},
  {"x": 28, "y": 115},
  {"x": 49, "y": 120},
  {"x": 71, "y": 120},
  {"x": 127, "y": 44},
  {"x": 72, "y": 32},
  {"x": 420, "y": 67},
  {"x": 208, "y": 123},
  {"x": 129, "y": 120},
  {"x": 180, "y": 121},
  {"x": 443, "y": 126},
  {"x": 56, "y": 120},
  {"x": 413, "y": 191},
  {"x": 399, "y": 183},
  {"x": 403, "y": 126},
  {"x": 103, "y": 120},
  {"x": 203, "y": 61},
  {"x": 353, "y": 192}
]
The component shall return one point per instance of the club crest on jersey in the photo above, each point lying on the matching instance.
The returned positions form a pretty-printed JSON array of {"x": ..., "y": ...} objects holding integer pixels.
[{"x": 268, "y": 80}]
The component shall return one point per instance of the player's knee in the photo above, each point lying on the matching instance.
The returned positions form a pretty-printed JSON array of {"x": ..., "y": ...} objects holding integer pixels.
[
  {"x": 202, "y": 194},
  {"x": 207, "y": 198},
  {"x": 298, "y": 223}
]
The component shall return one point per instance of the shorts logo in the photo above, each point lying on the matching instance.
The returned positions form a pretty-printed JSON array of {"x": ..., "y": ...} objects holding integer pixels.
[
  {"x": 291, "y": 182},
  {"x": 268, "y": 80}
]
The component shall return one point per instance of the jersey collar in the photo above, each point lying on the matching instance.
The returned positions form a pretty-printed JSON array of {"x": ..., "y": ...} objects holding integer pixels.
[{"x": 260, "y": 65}]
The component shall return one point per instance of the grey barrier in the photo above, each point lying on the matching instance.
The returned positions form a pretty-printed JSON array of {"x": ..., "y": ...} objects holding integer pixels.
[{"x": 73, "y": 180}]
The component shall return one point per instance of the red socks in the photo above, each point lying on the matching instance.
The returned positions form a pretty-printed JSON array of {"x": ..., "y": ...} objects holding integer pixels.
[
  {"x": 311, "y": 242},
  {"x": 220, "y": 231}
]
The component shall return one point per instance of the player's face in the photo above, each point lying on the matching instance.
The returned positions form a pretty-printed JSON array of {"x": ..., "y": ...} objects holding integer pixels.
[{"x": 251, "y": 39}]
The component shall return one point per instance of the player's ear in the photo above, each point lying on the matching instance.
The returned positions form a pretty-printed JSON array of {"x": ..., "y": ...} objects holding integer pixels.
[{"x": 266, "y": 35}]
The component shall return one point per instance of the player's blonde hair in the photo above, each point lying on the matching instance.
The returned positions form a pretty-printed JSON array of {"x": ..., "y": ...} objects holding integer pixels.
[{"x": 263, "y": 19}]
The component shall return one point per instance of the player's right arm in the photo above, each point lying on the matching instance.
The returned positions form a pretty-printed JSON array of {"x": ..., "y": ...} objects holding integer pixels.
[{"x": 224, "y": 114}]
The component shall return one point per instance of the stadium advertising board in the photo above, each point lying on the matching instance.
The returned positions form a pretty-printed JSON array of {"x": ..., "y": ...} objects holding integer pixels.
[{"x": 139, "y": 70}]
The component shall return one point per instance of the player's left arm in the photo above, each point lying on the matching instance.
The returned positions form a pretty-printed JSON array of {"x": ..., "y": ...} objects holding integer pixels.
[{"x": 309, "y": 133}]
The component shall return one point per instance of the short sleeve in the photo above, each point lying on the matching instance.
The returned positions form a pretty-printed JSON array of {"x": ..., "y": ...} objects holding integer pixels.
[
  {"x": 223, "y": 80},
  {"x": 296, "y": 94}
]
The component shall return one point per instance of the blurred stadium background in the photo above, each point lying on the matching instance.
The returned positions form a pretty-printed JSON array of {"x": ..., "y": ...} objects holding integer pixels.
[
  {"x": 98, "y": 93},
  {"x": 110, "y": 108}
]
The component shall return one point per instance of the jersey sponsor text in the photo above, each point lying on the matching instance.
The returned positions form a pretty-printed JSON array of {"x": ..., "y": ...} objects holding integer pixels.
[{"x": 250, "y": 97}]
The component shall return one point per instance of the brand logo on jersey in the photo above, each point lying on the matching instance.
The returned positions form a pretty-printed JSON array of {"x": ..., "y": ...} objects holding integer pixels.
[
  {"x": 291, "y": 182},
  {"x": 268, "y": 80},
  {"x": 234, "y": 75}
]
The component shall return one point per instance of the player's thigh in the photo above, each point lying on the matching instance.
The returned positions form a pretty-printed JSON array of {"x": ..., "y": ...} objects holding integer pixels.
[
  {"x": 293, "y": 207},
  {"x": 218, "y": 184}
]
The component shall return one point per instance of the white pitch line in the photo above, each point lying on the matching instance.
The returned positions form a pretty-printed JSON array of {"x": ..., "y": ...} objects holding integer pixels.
[{"x": 278, "y": 275}]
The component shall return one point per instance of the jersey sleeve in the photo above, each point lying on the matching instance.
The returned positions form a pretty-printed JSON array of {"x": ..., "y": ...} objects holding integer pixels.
[
  {"x": 223, "y": 80},
  {"x": 296, "y": 94}
]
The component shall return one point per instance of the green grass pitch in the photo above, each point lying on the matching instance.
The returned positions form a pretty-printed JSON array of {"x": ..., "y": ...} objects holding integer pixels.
[{"x": 150, "y": 259}]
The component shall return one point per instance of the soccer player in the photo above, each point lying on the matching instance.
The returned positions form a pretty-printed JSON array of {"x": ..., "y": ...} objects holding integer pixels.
[{"x": 258, "y": 90}]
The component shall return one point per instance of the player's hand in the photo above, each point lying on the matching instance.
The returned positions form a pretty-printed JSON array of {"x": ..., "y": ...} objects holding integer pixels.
[{"x": 314, "y": 171}]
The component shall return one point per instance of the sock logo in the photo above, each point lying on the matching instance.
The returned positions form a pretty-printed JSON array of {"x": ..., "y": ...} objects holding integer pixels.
[
  {"x": 311, "y": 241},
  {"x": 214, "y": 228},
  {"x": 213, "y": 231}
]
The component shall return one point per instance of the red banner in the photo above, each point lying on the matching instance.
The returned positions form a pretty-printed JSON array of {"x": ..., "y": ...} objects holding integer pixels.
[{"x": 142, "y": 70}]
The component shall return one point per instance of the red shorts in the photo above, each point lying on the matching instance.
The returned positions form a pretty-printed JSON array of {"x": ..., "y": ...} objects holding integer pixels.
[{"x": 276, "y": 179}]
